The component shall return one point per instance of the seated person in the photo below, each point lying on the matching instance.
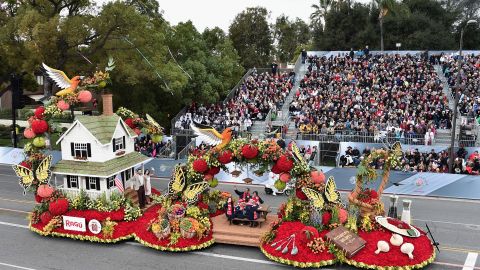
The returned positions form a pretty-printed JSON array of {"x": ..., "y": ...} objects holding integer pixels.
[
  {"x": 257, "y": 198},
  {"x": 251, "y": 210},
  {"x": 240, "y": 209},
  {"x": 242, "y": 194}
]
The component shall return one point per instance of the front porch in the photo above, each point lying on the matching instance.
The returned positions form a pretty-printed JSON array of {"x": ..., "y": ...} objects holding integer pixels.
[{"x": 92, "y": 194}]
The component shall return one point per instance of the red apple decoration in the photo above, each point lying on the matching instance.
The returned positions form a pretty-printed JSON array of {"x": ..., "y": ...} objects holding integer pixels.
[
  {"x": 317, "y": 177},
  {"x": 62, "y": 105},
  {"x": 84, "y": 96},
  {"x": 285, "y": 177},
  {"x": 45, "y": 191},
  {"x": 28, "y": 133}
]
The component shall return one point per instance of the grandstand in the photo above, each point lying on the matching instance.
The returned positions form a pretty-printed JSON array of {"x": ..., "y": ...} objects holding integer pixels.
[{"x": 401, "y": 96}]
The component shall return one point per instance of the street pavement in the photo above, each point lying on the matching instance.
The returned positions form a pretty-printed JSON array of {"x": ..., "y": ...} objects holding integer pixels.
[{"x": 454, "y": 223}]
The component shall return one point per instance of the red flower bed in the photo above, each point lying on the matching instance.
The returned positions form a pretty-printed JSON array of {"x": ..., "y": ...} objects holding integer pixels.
[
  {"x": 304, "y": 255},
  {"x": 218, "y": 213},
  {"x": 423, "y": 250},
  {"x": 142, "y": 232},
  {"x": 200, "y": 166}
]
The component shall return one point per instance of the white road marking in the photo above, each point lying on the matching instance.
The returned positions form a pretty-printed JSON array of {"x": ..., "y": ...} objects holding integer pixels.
[
  {"x": 446, "y": 222},
  {"x": 13, "y": 225},
  {"x": 16, "y": 266},
  {"x": 470, "y": 261},
  {"x": 13, "y": 210}
]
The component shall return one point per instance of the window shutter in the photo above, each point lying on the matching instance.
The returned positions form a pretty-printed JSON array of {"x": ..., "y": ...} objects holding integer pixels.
[
  {"x": 113, "y": 145},
  {"x": 89, "y": 150},
  {"x": 72, "y": 148},
  {"x": 87, "y": 183},
  {"x": 98, "y": 182},
  {"x": 69, "y": 184},
  {"x": 124, "y": 145}
]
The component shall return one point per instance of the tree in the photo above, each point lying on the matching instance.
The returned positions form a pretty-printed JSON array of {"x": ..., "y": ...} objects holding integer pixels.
[
  {"x": 252, "y": 37},
  {"x": 288, "y": 35},
  {"x": 320, "y": 11},
  {"x": 384, "y": 7}
]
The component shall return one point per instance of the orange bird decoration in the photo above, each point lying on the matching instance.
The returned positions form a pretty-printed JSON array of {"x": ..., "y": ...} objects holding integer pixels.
[
  {"x": 62, "y": 81},
  {"x": 211, "y": 136}
]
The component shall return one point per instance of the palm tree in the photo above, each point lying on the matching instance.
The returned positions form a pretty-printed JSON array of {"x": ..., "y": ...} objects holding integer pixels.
[
  {"x": 320, "y": 11},
  {"x": 384, "y": 6}
]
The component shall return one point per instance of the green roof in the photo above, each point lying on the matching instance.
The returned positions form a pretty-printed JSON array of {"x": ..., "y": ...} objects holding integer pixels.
[
  {"x": 102, "y": 126},
  {"x": 101, "y": 169}
]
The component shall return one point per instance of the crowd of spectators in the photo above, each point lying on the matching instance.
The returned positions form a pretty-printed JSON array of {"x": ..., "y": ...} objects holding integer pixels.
[
  {"x": 144, "y": 145},
  {"x": 416, "y": 161},
  {"x": 257, "y": 95},
  {"x": 372, "y": 95},
  {"x": 469, "y": 80}
]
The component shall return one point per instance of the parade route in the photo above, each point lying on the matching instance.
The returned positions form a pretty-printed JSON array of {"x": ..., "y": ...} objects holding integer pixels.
[{"x": 457, "y": 232}]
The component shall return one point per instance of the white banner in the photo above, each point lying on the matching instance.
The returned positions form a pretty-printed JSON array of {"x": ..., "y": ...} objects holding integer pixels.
[{"x": 74, "y": 224}]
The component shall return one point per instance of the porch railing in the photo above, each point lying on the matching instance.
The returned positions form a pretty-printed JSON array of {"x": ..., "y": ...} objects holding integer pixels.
[
  {"x": 185, "y": 151},
  {"x": 93, "y": 194}
]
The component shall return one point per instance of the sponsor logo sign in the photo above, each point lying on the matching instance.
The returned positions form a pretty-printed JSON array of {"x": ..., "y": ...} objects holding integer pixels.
[{"x": 74, "y": 224}]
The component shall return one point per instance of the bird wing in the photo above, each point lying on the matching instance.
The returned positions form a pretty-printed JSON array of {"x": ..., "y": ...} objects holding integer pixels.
[
  {"x": 207, "y": 134},
  {"x": 58, "y": 76}
]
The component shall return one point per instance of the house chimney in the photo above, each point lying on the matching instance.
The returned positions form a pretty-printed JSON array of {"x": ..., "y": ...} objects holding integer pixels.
[{"x": 107, "y": 104}]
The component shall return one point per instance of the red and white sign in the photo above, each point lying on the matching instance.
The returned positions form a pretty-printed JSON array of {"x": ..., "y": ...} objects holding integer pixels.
[{"x": 74, "y": 224}]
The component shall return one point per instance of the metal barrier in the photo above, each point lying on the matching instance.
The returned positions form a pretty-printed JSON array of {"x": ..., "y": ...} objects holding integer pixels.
[
  {"x": 185, "y": 151},
  {"x": 167, "y": 151},
  {"x": 176, "y": 118},
  {"x": 367, "y": 137},
  {"x": 232, "y": 92}
]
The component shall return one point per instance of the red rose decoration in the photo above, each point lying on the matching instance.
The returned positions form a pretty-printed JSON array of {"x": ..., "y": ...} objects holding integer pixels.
[
  {"x": 39, "y": 112},
  {"x": 225, "y": 157},
  {"x": 284, "y": 164},
  {"x": 326, "y": 217},
  {"x": 39, "y": 126},
  {"x": 129, "y": 122},
  {"x": 275, "y": 169},
  {"x": 58, "y": 207},
  {"x": 200, "y": 166},
  {"x": 26, "y": 164},
  {"x": 213, "y": 170},
  {"x": 373, "y": 194},
  {"x": 249, "y": 151},
  {"x": 38, "y": 199},
  {"x": 299, "y": 193},
  {"x": 45, "y": 217}
]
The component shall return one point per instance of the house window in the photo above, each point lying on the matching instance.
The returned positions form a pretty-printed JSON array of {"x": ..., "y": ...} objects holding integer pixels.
[
  {"x": 92, "y": 183},
  {"x": 118, "y": 144},
  {"x": 81, "y": 150},
  {"x": 72, "y": 181},
  {"x": 110, "y": 182}
]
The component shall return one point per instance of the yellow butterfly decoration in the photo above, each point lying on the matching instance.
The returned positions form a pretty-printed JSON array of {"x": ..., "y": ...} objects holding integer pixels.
[
  {"x": 297, "y": 155},
  {"x": 153, "y": 123},
  {"x": 315, "y": 197},
  {"x": 27, "y": 176},
  {"x": 397, "y": 149},
  {"x": 331, "y": 192},
  {"x": 178, "y": 185}
]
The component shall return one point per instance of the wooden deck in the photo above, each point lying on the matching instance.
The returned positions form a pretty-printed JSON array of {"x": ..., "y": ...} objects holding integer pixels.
[{"x": 240, "y": 235}]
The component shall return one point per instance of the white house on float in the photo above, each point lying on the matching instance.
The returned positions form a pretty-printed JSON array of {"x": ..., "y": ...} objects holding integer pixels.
[{"x": 94, "y": 150}]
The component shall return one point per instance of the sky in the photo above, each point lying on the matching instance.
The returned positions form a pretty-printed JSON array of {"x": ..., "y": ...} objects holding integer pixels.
[{"x": 211, "y": 13}]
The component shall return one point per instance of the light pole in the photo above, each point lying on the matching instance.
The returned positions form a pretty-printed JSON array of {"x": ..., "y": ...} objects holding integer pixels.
[{"x": 457, "y": 96}]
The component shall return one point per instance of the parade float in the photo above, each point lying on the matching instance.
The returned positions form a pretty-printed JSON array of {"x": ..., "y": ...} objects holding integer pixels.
[{"x": 314, "y": 227}]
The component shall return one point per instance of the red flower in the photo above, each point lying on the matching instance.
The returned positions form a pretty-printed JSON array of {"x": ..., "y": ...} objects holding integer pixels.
[
  {"x": 202, "y": 205},
  {"x": 39, "y": 112},
  {"x": 284, "y": 164},
  {"x": 225, "y": 157},
  {"x": 38, "y": 199},
  {"x": 58, "y": 207},
  {"x": 373, "y": 194},
  {"x": 26, "y": 164},
  {"x": 299, "y": 193},
  {"x": 213, "y": 170},
  {"x": 200, "y": 166},
  {"x": 275, "y": 169},
  {"x": 45, "y": 217},
  {"x": 208, "y": 177},
  {"x": 326, "y": 217},
  {"x": 129, "y": 122},
  {"x": 249, "y": 151},
  {"x": 39, "y": 126}
]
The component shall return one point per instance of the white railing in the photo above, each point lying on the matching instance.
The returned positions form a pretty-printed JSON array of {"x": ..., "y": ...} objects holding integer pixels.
[{"x": 92, "y": 194}]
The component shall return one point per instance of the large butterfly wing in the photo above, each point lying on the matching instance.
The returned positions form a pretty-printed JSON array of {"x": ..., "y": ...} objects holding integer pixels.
[
  {"x": 153, "y": 122},
  {"x": 192, "y": 191},
  {"x": 315, "y": 197},
  {"x": 25, "y": 174},
  {"x": 43, "y": 172},
  {"x": 177, "y": 184},
  {"x": 397, "y": 149},
  {"x": 331, "y": 192},
  {"x": 296, "y": 153}
]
